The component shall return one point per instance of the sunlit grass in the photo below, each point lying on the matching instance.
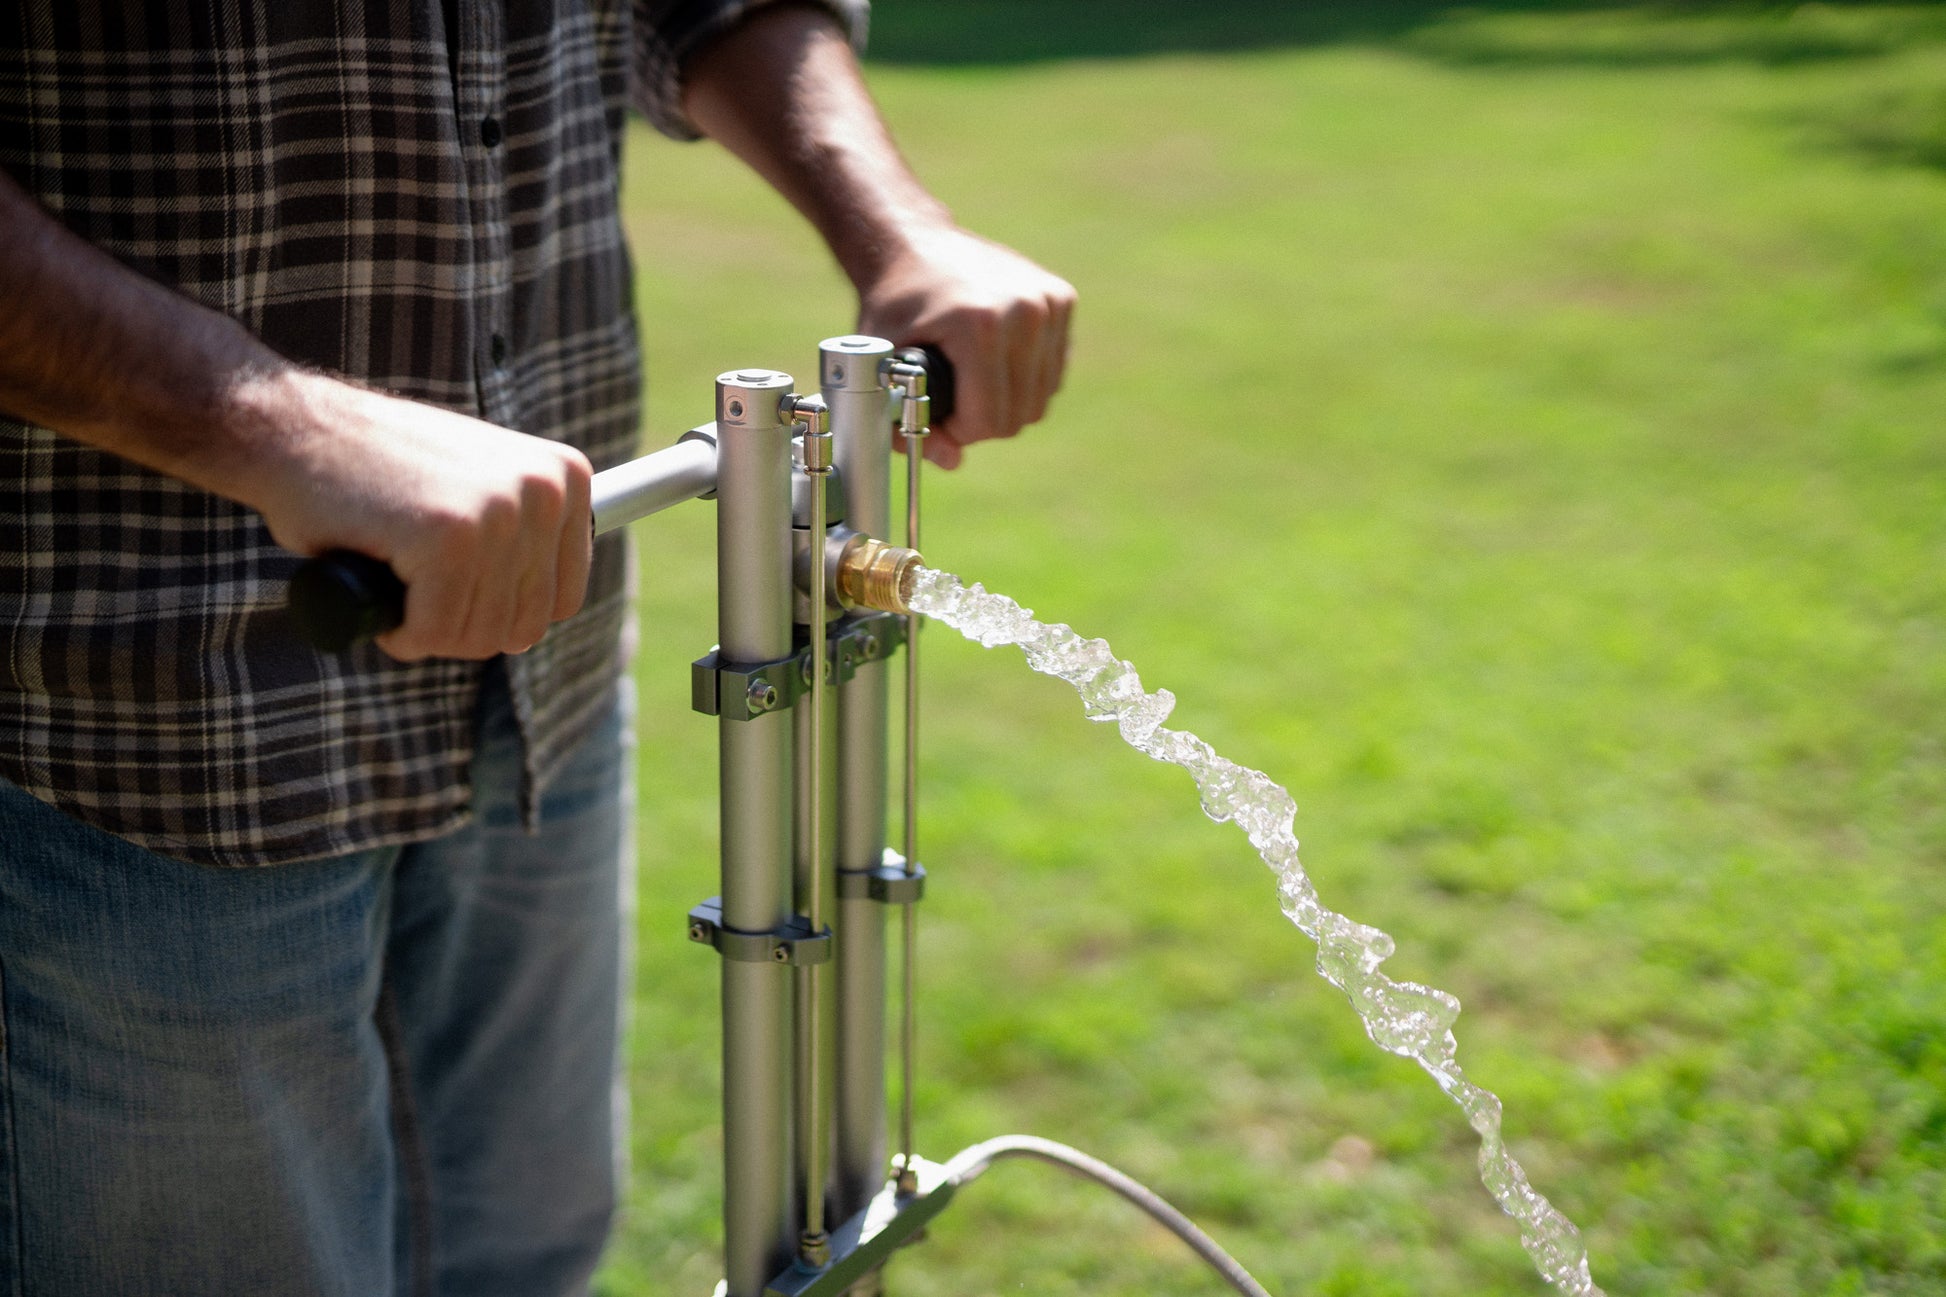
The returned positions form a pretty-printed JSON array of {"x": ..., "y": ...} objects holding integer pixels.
[{"x": 1517, "y": 430}]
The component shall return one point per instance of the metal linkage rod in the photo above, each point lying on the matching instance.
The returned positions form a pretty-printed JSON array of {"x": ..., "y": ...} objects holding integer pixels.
[
  {"x": 913, "y": 412},
  {"x": 814, "y": 1244}
]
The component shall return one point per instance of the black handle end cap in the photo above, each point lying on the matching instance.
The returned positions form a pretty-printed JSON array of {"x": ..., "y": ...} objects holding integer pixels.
[
  {"x": 941, "y": 387},
  {"x": 340, "y": 598}
]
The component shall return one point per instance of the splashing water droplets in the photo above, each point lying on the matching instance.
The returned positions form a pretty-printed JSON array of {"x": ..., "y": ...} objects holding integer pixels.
[{"x": 1402, "y": 1018}]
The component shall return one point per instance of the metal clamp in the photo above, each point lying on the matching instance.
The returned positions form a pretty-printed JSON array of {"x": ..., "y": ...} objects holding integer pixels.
[
  {"x": 763, "y": 687},
  {"x": 871, "y": 638},
  {"x": 773, "y": 686},
  {"x": 889, "y": 884},
  {"x": 793, "y": 944}
]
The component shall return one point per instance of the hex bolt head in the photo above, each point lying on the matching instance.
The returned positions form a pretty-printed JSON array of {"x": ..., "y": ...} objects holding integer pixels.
[{"x": 761, "y": 696}]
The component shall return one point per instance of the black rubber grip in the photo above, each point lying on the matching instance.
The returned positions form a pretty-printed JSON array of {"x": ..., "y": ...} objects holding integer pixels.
[
  {"x": 940, "y": 385},
  {"x": 342, "y": 597}
]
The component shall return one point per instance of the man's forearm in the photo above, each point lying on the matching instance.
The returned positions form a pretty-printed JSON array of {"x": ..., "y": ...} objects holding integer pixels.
[
  {"x": 783, "y": 93},
  {"x": 488, "y": 528},
  {"x": 105, "y": 355}
]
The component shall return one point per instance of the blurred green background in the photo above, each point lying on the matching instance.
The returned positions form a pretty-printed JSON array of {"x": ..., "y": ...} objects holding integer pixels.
[{"x": 1518, "y": 429}]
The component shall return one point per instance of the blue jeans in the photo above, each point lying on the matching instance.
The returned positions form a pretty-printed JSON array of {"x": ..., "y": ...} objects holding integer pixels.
[{"x": 386, "y": 1073}]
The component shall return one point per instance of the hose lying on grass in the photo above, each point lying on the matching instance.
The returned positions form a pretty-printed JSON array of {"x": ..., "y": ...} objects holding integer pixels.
[{"x": 970, "y": 1163}]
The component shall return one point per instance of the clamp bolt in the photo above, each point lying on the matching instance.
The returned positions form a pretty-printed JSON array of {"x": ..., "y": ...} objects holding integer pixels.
[
  {"x": 762, "y": 697},
  {"x": 697, "y": 932},
  {"x": 781, "y": 953}
]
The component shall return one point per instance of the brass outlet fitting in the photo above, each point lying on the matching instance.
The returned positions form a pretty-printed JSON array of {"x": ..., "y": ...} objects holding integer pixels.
[{"x": 872, "y": 574}]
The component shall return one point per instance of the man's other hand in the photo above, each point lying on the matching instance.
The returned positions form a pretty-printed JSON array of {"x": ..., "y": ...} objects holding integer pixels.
[
  {"x": 1001, "y": 320},
  {"x": 783, "y": 92}
]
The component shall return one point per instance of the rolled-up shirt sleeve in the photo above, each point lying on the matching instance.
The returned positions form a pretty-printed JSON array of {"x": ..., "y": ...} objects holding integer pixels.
[{"x": 669, "y": 34}]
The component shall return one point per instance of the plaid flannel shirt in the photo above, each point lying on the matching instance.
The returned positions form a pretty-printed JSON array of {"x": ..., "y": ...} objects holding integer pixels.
[{"x": 433, "y": 216}]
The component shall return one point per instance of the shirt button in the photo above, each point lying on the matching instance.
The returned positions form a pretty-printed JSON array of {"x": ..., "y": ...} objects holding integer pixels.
[
  {"x": 498, "y": 349},
  {"x": 490, "y": 132}
]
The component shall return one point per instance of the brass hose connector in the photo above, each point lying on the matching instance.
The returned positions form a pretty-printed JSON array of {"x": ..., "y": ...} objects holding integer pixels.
[{"x": 872, "y": 574}]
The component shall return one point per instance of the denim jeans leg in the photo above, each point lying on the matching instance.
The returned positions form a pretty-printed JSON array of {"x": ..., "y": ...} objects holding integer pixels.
[
  {"x": 193, "y": 1097},
  {"x": 392, "y": 1072},
  {"x": 505, "y": 961}
]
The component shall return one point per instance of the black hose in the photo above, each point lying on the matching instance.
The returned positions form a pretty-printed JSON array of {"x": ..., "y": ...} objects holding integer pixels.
[{"x": 970, "y": 1163}]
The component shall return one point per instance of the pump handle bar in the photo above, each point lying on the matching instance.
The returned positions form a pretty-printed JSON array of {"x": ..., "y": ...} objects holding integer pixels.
[{"x": 342, "y": 597}]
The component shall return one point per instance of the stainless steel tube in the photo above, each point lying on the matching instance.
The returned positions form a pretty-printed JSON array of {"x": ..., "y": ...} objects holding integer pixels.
[
  {"x": 850, "y": 375},
  {"x": 912, "y": 425},
  {"x": 753, "y": 602},
  {"x": 814, "y": 879},
  {"x": 656, "y": 481},
  {"x": 816, "y": 894}
]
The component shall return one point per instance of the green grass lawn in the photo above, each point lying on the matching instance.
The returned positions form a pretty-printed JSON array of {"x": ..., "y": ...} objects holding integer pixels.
[{"x": 1518, "y": 430}]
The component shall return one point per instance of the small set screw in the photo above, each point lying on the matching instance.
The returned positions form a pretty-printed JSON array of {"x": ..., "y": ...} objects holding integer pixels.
[{"x": 762, "y": 696}]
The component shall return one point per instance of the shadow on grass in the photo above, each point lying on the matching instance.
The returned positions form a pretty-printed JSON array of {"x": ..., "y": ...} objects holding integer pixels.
[
  {"x": 1901, "y": 128},
  {"x": 1897, "y": 129},
  {"x": 1594, "y": 35}
]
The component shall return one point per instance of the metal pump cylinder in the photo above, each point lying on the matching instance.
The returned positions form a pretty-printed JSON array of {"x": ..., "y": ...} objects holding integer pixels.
[
  {"x": 849, "y": 372},
  {"x": 753, "y": 599}
]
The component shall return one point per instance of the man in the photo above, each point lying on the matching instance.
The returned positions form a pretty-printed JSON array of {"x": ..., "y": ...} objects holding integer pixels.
[{"x": 308, "y": 963}]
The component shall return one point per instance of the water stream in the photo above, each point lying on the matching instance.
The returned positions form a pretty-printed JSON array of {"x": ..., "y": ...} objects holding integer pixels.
[{"x": 1404, "y": 1018}]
